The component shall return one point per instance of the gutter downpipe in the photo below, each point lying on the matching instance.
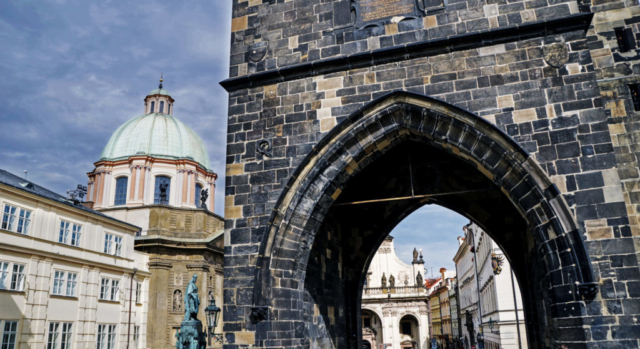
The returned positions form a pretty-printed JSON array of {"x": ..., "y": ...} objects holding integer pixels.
[
  {"x": 135, "y": 270},
  {"x": 515, "y": 304},
  {"x": 475, "y": 263}
]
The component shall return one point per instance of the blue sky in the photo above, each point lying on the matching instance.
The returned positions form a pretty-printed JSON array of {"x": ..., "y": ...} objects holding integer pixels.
[
  {"x": 72, "y": 71},
  {"x": 434, "y": 229}
]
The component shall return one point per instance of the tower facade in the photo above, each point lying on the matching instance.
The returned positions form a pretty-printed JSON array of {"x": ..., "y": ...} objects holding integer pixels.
[{"x": 520, "y": 115}]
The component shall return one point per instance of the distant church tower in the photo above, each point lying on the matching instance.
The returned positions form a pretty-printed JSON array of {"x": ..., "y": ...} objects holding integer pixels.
[
  {"x": 152, "y": 173},
  {"x": 146, "y": 152}
]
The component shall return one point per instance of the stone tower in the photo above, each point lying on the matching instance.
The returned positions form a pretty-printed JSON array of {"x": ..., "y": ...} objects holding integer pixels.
[{"x": 521, "y": 115}]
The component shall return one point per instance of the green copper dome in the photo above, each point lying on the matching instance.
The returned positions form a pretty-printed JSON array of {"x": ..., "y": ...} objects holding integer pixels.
[
  {"x": 159, "y": 91},
  {"x": 156, "y": 135}
]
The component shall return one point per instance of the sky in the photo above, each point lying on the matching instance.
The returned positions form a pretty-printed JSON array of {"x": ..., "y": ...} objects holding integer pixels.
[
  {"x": 434, "y": 229},
  {"x": 72, "y": 71}
]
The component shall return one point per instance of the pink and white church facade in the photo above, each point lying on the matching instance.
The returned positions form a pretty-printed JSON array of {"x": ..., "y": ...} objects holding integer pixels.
[{"x": 152, "y": 149}]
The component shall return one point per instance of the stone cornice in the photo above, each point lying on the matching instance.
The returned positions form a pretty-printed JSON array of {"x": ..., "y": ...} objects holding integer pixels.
[
  {"x": 150, "y": 159},
  {"x": 198, "y": 267},
  {"x": 160, "y": 265},
  {"x": 575, "y": 22}
]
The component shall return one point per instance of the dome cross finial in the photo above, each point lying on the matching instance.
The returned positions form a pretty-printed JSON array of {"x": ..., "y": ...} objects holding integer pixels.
[{"x": 160, "y": 86}]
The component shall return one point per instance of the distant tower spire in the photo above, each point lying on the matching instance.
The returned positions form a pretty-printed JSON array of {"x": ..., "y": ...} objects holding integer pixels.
[{"x": 160, "y": 86}]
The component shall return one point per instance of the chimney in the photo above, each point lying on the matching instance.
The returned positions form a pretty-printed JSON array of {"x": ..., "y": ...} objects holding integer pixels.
[
  {"x": 443, "y": 271},
  {"x": 87, "y": 204}
]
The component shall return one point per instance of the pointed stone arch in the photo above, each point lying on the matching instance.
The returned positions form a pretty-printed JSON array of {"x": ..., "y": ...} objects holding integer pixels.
[{"x": 376, "y": 128}]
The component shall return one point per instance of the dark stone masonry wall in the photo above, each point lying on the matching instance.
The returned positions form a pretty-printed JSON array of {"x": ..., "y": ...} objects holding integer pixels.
[
  {"x": 299, "y": 69},
  {"x": 308, "y": 31}
]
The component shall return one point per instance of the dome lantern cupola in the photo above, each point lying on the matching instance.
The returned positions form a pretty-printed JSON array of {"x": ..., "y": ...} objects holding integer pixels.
[{"x": 158, "y": 101}]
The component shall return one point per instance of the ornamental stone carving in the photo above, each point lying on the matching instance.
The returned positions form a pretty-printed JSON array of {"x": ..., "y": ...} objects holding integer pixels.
[{"x": 556, "y": 55}]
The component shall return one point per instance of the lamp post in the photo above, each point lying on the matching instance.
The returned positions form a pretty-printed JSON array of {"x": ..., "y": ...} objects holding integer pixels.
[{"x": 212, "y": 312}]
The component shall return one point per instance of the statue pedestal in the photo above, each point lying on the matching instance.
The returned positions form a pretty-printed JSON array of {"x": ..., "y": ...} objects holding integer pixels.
[{"x": 191, "y": 336}]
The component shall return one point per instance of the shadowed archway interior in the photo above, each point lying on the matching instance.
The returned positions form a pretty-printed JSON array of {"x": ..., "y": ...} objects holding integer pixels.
[{"x": 395, "y": 155}]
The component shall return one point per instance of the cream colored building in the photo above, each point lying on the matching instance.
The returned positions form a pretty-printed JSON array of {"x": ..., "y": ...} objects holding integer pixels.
[
  {"x": 69, "y": 276},
  {"x": 497, "y": 306},
  {"x": 394, "y": 302}
]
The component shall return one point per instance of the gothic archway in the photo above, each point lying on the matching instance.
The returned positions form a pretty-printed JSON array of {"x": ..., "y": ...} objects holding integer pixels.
[{"x": 490, "y": 179}]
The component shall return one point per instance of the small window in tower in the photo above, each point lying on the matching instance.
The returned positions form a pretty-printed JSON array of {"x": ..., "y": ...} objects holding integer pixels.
[
  {"x": 161, "y": 107},
  {"x": 121, "y": 191},
  {"x": 626, "y": 39},
  {"x": 153, "y": 105},
  {"x": 198, "y": 191},
  {"x": 635, "y": 95},
  {"x": 169, "y": 108}
]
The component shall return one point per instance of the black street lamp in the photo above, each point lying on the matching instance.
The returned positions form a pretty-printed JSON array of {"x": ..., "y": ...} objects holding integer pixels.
[
  {"x": 492, "y": 325},
  {"x": 212, "y": 312}
]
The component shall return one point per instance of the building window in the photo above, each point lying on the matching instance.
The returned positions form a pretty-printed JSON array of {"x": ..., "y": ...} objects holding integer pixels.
[
  {"x": 70, "y": 233},
  {"x": 121, "y": 191},
  {"x": 106, "y": 337},
  {"x": 161, "y": 106},
  {"x": 136, "y": 336},
  {"x": 138, "y": 291},
  {"x": 366, "y": 322},
  {"x": 60, "y": 335},
  {"x": 64, "y": 283},
  {"x": 626, "y": 39},
  {"x": 198, "y": 192},
  {"x": 113, "y": 244},
  {"x": 9, "y": 334},
  {"x": 168, "y": 108},
  {"x": 16, "y": 219},
  {"x": 109, "y": 289},
  {"x": 153, "y": 106},
  {"x": 12, "y": 276},
  {"x": 161, "y": 180}
]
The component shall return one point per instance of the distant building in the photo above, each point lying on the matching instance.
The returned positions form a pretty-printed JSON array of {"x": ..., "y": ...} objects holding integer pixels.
[
  {"x": 394, "y": 302},
  {"x": 495, "y": 315},
  {"x": 69, "y": 276},
  {"x": 440, "y": 309},
  {"x": 154, "y": 172},
  {"x": 455, "y": 315}
]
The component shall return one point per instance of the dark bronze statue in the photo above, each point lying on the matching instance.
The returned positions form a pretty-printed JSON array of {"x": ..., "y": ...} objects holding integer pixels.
[
  {"x": 163, "y": 193},
  {"x": 204, "y": 195}
]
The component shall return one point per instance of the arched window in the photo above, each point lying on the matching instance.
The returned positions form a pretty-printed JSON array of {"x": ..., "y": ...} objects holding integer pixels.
[
  {"x": 121, "y": 191},
  {"x": 161, "y": 107},
  {"x": 153, "y": 106},
  {"x": 198, "y": 191},
  {"x": 161, "y": 180}
]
